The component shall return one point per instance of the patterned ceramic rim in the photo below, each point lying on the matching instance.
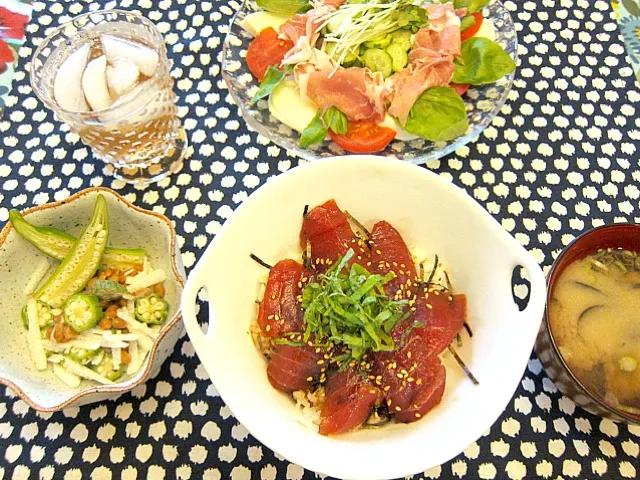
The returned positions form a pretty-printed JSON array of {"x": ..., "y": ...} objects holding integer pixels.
[
  {"x": 170, "y": 325},
  {"x": 596, "y": 399}
]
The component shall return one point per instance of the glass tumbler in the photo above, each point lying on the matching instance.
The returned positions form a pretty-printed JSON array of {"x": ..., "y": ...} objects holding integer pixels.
[{"x": 139, "y": 135}]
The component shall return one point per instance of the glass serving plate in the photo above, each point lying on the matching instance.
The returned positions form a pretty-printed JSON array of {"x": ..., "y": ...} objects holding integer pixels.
[{"x": 482, "y": 103}]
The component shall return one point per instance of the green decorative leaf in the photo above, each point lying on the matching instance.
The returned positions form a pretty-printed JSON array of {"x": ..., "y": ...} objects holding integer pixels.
[
  {"x": 472, "y": 6},
  {"x": 335, "y": 120},
  {"x": 482, "y": 61},
  {"x": 467, "y": 22},
  {"x": 285, "y": 7},
  {"x": 271, "y": 79},
  {"x": 315, "y": 132},
  {"x": 438, "y": 115}
]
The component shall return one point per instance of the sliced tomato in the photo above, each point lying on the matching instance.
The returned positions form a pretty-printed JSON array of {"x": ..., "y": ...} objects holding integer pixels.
[
  {"x": 460, "y": 88},
  {"x": 266, "y": 50},
  {"x": 364, "y": 137},
  {"x": 473, "y": 29}
]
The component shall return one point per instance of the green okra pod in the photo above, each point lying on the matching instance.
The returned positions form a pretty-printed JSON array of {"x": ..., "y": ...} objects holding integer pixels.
[
  {"x": 57, "y": 244},
  {"x": 82, "y": 261}
]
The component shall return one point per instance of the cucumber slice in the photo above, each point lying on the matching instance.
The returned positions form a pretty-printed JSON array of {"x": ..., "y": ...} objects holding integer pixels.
[
  {"x": 398, "y": 55},
  {"x": 378, "y": 60},
  {"x": 403, "y": 38},
  {"x": 332, "y": 25},
  {"x": 348, "y": 60},
  {"x": 380, "y": 42}
]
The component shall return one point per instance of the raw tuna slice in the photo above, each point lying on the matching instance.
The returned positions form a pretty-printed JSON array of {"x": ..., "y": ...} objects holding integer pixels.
[
  {"x": 293, "y": 368},
  {"x": 389, "y": 253},
  {"x": 433, "y": 376},
  {"x": 280, "y": 310},
  {"x": 443, "y": 316},
  {"x": 348, "y": 402},
  {"x": 411, "y": 380},
  {"x": 331, "y": 236}
]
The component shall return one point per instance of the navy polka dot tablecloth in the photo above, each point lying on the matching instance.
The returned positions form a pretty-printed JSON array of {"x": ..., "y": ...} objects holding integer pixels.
[{"x": 560, "y": 158}]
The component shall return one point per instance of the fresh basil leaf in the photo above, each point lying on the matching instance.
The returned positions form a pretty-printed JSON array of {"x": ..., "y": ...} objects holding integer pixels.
[
  {"x": 270, "y": 81},
  {"x": 467, "y": 22},
  {"x": 315, "y": 131},
  {"x": 285, "y": 7},
  {"x": 438, "y": 115},
  {"x": 482, "y": 61},
  {"x": 335, "y": 120},
  {"x": 472, "y": 6}
]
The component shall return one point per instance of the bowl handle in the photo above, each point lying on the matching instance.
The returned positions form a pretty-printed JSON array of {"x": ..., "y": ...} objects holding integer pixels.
[
  {"x": 538, "y": 288},
  {"x": 195, "y": 282}
]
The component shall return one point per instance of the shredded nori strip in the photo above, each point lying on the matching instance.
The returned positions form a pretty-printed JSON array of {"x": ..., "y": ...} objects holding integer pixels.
[
  {"x": 463, "y": 366},
  {"x": 362, "y": 233},
  {"x": 358, "y": 224},
  {"x": 305, "y": 211},
  {"x": 449, "y": 287},
  {"x": 468, "y": 328},
  {"x": 260, "y": 261},
  {"x": 433, "y": 271},
  {"x": 379, "y": 417},
  {"x": 306, "y": 256}
]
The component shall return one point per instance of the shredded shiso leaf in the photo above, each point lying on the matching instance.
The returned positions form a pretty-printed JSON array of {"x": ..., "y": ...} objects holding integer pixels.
[{"x": 347, "y": 307}]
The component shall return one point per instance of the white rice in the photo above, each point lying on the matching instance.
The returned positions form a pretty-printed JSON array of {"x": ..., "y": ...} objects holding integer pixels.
[{"x": 308, "y": 407}]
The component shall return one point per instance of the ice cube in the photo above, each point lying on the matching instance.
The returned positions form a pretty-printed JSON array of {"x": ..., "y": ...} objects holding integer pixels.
[
  {"x": 142, "y": 103},
  {"x": 67, "y": 86},
  {"x": 94, "y": 84},
  {"x": 122, "y": 76},
  {"x": 131, "y": 93},
  {"x": 145, "y": 58}
]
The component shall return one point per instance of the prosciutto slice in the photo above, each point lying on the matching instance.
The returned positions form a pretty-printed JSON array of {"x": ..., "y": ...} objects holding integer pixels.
[
  {"x": 356, "y": 92},
  {"x": 430, "y": 60},
  {"x": 303, "y": 29}
]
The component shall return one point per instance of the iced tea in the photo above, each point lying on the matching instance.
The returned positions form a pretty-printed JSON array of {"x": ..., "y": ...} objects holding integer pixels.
[{"x": 106, "y": 74}]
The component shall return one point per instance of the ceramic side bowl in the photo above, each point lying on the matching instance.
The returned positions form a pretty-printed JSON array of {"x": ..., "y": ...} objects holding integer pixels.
[
  {"x": 429, "y": 212},
  {"x": 129, "y": 227}
]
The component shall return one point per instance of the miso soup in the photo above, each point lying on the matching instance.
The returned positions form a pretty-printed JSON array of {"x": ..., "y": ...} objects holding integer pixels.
[{"x": 594, "y": 313}]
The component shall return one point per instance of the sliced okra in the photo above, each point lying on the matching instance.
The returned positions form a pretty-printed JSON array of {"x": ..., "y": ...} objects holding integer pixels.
[{"x": 82, "y": 261}]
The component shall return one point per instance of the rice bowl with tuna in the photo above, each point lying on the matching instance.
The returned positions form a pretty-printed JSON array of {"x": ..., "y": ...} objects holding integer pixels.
[{"x": 354, "y": 331}]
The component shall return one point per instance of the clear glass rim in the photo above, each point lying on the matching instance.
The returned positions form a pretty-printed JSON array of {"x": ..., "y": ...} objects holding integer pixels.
[
  {"x": 311, "y": 154},
  {"x": 90, "y": 115}
]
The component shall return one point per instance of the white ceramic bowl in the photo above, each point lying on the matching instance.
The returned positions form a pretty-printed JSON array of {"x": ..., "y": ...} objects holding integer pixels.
[
  {"x": 429, "y": 212},
  {"x": 129, "y": 227}
]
